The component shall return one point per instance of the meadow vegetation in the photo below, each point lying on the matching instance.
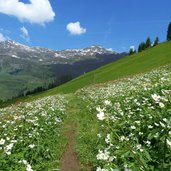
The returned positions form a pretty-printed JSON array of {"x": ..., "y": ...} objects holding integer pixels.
[
  {"x": 122, "y": 113},
  {"x": 30, "y": 136},
  {"x": 127, "y": 124}
]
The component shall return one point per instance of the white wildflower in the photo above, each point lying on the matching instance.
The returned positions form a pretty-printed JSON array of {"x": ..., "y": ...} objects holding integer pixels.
[
  {"x": 133, "y": 127},
  {"x": 107, "y": 102},
  {"x": 99, "y": 135},
  {"x": 164, "y": 119},
  {"x": 156, "y": 124},
  {"x": 138, "y": 122},
  {"x": 101, "y": 116},
  {"x": 108, "y": 139},
  {"x": 168, "y": 142},
  {"x": 122, "y": 138},
  {"x": 99, "y": 109},
  {"x": 141, "y": 150},
  {"x": 100, "y": 169},
  {"x": 2, "y": 141},
  {"x": 103, "y": 155},
  {"x": 138, "y": 146},
  {"x": 9, "y": 147},
  {"x": 140, "y": 133},
  {"x": 162, "y": 124},
  {"x": 150, "y": 126},
  {"x": 24, "y": 162},
  {"x": 155, "y": 97},
  {"x": 161, "y": 105},
  {"x": 147, "y": 142},
  {"x": 28, "y": 168},
  {"x": 8, "y": 152},
  {"x": 31, "y": 146}
]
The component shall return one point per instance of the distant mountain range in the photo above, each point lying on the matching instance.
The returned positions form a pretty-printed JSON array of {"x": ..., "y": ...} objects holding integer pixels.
[
  {"x": 24, "y": 68},
  {"x": 47, "y": 56}
]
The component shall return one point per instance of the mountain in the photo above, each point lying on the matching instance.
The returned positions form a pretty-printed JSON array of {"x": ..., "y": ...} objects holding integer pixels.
[
  {"x": 47, "y": 56},
  {"x": 24, "y": 69}
]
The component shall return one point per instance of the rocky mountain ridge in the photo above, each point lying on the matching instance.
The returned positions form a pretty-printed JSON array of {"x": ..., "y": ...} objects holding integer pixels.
[{"x": 47, "y": 56}]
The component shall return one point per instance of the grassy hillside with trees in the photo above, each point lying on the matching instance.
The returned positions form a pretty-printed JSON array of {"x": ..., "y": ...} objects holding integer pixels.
[{"x": 142, "y": 62}]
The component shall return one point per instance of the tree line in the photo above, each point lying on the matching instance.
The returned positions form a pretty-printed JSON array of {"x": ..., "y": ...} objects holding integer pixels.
[
  {"x": 25, "y": 92},
  {"x": 57, "y": 82},
  {"x": 148, "y": 43}
]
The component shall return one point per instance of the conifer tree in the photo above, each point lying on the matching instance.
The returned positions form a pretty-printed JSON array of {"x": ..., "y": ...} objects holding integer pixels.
[
  {"x": 148, "y": 42},
  {"x": 131, "y": 51},
  {"x": 156, "y": 42},
  {"x": 169, "y": 32},
  {"x": 143, "y": 45},
  {"x": 140, "y": 47}
]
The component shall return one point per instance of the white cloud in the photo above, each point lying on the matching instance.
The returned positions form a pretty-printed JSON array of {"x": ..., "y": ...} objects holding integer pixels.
[
  {"x": 75, "y": 28},
  {"x": 37, "y": 11},
  {"x": 132, "y": 47},
  {"x": 2, "y": 38},
  {"x": 25, "y": 34}
]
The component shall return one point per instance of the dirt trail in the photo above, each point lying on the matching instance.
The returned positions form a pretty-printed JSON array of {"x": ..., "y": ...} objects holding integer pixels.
[{"x": 69, "y": 161}]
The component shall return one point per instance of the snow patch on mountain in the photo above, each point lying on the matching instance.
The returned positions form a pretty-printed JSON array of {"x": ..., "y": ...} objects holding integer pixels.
[{"x": 17, "y": 50}]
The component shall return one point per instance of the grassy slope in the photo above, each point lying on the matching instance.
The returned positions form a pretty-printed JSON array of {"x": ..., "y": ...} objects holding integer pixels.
[{"x": 130, "y": 65}]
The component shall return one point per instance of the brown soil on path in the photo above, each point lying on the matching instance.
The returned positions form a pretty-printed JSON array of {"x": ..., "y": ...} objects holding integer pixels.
[{"x": 70, "y": 161}]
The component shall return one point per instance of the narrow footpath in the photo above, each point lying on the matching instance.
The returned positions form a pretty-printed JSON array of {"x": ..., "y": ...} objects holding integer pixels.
[{"x": 70, "y": 161}]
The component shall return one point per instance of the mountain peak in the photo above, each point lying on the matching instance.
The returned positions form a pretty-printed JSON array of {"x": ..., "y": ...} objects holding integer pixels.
[
  {"x": 100, "y": 50},
  {"x": 11, "y": 43},
  {"x": 12, "y": 48}
]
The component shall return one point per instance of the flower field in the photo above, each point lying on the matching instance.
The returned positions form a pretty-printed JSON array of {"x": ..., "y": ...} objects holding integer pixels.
[
  {"x": 121, "y": 125},
  {"x": 30, "y": 134},
  {"x": 133, "y": 117}
]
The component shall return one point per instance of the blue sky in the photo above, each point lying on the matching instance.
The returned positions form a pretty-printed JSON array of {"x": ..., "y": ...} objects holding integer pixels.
[{"x": 116, "y": 24}]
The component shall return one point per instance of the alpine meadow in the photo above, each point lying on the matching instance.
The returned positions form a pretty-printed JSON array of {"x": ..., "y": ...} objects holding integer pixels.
[{"x": 85, "y": 85}]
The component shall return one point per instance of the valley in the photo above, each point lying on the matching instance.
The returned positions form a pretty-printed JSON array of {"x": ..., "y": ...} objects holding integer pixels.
[
  {"x": 121, "y": 123},
  {"x": 26, "y": 70}
]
